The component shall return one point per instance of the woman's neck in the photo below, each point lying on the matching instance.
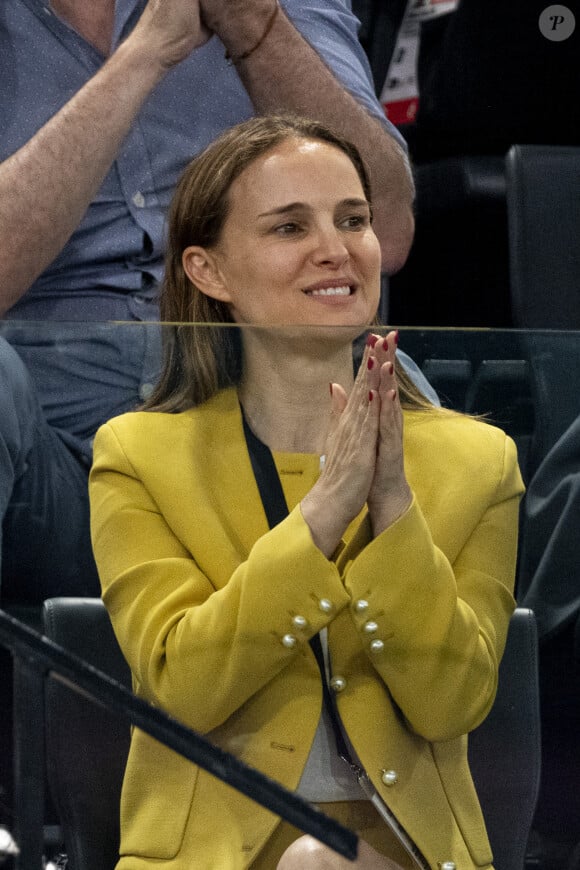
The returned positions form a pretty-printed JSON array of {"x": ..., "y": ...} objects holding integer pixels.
[{"x": 285, "y": 392}]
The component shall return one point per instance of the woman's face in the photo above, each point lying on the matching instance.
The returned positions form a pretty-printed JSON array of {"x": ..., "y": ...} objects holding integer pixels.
[{"x": 297, "y": 246}]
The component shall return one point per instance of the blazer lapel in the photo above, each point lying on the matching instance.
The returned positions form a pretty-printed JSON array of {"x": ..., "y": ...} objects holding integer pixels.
[{"x": 228, "y": 464}]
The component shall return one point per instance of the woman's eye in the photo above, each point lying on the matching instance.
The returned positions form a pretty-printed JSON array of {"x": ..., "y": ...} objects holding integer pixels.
[
  {"x": 288, "y": 228},
  {"x": 355, "y": 221}
]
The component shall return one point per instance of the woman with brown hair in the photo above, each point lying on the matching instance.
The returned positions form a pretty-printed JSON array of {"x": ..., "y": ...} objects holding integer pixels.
[{"x": 312, "y": 566}]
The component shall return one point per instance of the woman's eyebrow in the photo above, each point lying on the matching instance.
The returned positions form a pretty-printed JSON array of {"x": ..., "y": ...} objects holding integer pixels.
[
  {"x": 283, "y": 209},
  {"x": 353, "y": 202}
]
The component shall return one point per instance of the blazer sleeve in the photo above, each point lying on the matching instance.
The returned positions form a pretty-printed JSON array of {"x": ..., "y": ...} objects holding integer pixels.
[
  {"x": 442, "y": 620},
  {"x": 198, "y": 651}
]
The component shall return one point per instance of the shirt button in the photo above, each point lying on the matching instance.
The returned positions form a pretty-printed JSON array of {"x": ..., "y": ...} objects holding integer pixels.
[
  {"x": 299, "y": 621},
  {"x": 389, "y": 777},
  {"x": 338, "y": 684},
  {"x": 370, "y": 627},
  {"x": 361, "y": 605},
  {"x": 145, "y": 391},
  {"x": 377, "y": 646},
  {"x": 138, "y": 199},
  {"x": 289, "y": 641},
  {"x": 325, "y": 605}
]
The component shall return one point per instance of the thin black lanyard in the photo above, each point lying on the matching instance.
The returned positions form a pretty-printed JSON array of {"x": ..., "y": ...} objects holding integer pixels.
[{"x": 276, "y": 510}]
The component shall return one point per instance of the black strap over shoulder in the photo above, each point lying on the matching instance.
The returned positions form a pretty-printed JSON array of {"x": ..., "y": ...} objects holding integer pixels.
[{"x": 267, "y": 478}]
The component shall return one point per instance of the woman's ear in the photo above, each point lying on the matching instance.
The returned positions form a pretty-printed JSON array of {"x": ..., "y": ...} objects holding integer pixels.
[{"x": 201, "y": 267}]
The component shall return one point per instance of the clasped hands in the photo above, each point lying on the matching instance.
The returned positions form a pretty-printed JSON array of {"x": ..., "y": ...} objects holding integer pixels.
[
  {"x": 172, "y": 29},
  {"x": 364, "y": 452}
]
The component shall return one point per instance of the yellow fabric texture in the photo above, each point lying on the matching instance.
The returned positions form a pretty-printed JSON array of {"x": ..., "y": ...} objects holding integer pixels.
[{"x": 201, "y": 594}]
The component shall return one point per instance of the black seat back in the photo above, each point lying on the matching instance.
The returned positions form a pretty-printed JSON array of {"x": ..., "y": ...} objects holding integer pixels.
[
  {"x": 505, "y": 751},
  {"x": 86, "y": 746},
  {"x": 543, "y": 200}
]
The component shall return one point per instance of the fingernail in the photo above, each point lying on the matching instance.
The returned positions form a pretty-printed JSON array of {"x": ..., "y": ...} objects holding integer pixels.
[
  {"x": 370, "y": 362},
  {"x": 372, "y": 340},
  {"x": 370, "y": 395},
  {"x": 391, "y": 368},
  {"x": 397, "y": 337},
  {"x": 330, "y": 388},
  {"x": 385, "y": 343}
]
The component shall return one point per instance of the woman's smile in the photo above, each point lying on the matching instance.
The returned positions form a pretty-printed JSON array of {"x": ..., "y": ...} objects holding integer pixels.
[{"x": 337, "y": 291}]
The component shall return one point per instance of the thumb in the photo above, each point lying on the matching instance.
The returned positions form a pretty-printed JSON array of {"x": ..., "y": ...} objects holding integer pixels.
[{"x": 338, "y": 400}]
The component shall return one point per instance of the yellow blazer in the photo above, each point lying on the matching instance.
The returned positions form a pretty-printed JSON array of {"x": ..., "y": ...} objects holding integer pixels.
[{"x": 201, "y": 594}]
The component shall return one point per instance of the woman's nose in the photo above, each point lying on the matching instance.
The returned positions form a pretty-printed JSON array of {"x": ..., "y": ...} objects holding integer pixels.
[{"x": 330, "y": 247}]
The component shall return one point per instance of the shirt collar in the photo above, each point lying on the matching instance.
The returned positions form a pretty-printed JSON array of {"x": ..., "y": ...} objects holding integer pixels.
[{"x": 127, "y": 13}]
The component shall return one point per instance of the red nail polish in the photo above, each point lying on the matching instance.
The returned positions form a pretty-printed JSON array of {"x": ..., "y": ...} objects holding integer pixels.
[
  {"x": 397, "y": 337},
  {"x": 371, "y": 340},
  {"x": 391, "y": 368},
  {"x": 370, "y": 395},
  {"x": 330, "y": 388},
  {"x": 385, "y": 343},
  {"x": 370, "y": 362}
]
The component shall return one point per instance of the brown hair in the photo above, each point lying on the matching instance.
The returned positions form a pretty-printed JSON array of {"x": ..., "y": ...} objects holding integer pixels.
[{"x": 198, "y": 359}]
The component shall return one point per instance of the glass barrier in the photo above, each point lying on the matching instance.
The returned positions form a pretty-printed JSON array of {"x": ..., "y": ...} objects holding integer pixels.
[{"x": 524, "y": 380}]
